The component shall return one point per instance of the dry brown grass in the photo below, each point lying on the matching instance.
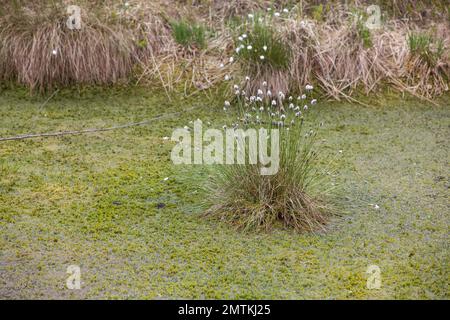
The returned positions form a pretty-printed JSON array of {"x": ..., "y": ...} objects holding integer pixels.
[
  {"x": 338, "y": 60},
  {"x": 96, "y": 54},
  {"x": 117, "y": 44},
  {"x": 113, "y": 41}
]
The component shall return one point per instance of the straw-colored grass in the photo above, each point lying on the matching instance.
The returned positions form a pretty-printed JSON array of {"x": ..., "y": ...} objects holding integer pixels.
[
  {"x": 120, "y": 43},
  {"x": 38, "y": 50}
]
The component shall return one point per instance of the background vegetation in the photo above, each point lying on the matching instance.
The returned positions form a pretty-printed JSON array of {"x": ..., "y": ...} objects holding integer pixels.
[{"x": 182, "y": 44}]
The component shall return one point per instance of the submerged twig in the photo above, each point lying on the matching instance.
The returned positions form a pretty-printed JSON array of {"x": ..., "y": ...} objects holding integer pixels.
[{"x": 91, "y": 130}]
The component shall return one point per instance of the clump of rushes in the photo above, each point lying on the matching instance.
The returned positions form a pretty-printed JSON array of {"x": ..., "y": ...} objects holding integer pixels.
[
  {"x": 261, "y": 51},
  {"x": 426, "y": 47},
  {"x": 295, "y": 195},
  {"x": 427, "y": 69},
  {"x": 188, "y": 34},
  {"x": 261, "y": 46}
]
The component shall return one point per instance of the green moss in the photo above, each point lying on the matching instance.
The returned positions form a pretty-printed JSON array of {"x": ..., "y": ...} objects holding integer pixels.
[{"x": 92, "y": 200}]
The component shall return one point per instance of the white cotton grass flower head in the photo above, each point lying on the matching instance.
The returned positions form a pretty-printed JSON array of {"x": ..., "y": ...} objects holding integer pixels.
[
  {"x": 261, "y": 57},
  {"x": 276, "y": 14},
  {"x": 274, "y": 103},
  {"x": 308, "y": 87},
  {"x": 240, "y": 38},
  {"x": 237, "y": 92},
  {"x": 244, "y": 36},
  {"x": 305, "y": 107},
  {"x": 313, "y": 101},
  {"x": 247, "y": 78},
  {"x": 269, "y": 9},
  {"x": 264, "y": 83},
  {"x": 269, "y": 93},
  {"x": 54, "y": 52},
  {"x": 250, "y": 15},
  {"x": 238, "y": 49},
  {"x": 303, "y": 96},
  {"x": 291, "y": 106},
  {"x": 231, "y": 60},
  {"x": 265, "y": 48},
  {"x": 283, "y": 116},
  {"x": 221, "y": 65},
  {"x": 249, "y": 47},
  {"x": 260, "y": 92},
  {"x": 226, "y": 103},
  {"x": 285, "y": 10},
  {"x": 235, "y": 87}
]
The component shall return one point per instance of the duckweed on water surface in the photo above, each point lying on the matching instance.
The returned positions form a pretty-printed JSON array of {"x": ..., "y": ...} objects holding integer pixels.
[{"x": 101, "y": 201}]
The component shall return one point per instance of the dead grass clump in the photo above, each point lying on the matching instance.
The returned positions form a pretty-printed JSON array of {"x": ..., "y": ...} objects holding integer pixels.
[
  {"x": 149, "y": 24},
  {"x": 344, "y": 62},
  {"x": 349, "y": 58},
  {"x": 137, "y": 39},
  {"x": 303, "y": 38},
  {"x": 223, "y": 10},
  {"x": 427, "y": 65},
  {"x": 249, "y": 201}
]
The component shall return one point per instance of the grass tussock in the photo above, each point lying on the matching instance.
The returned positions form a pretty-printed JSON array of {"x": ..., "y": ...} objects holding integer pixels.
[
  {"x": 37, "y": 48},
  {"x": 296, "y": 194},
  {"x": 427, "y": 68}
]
